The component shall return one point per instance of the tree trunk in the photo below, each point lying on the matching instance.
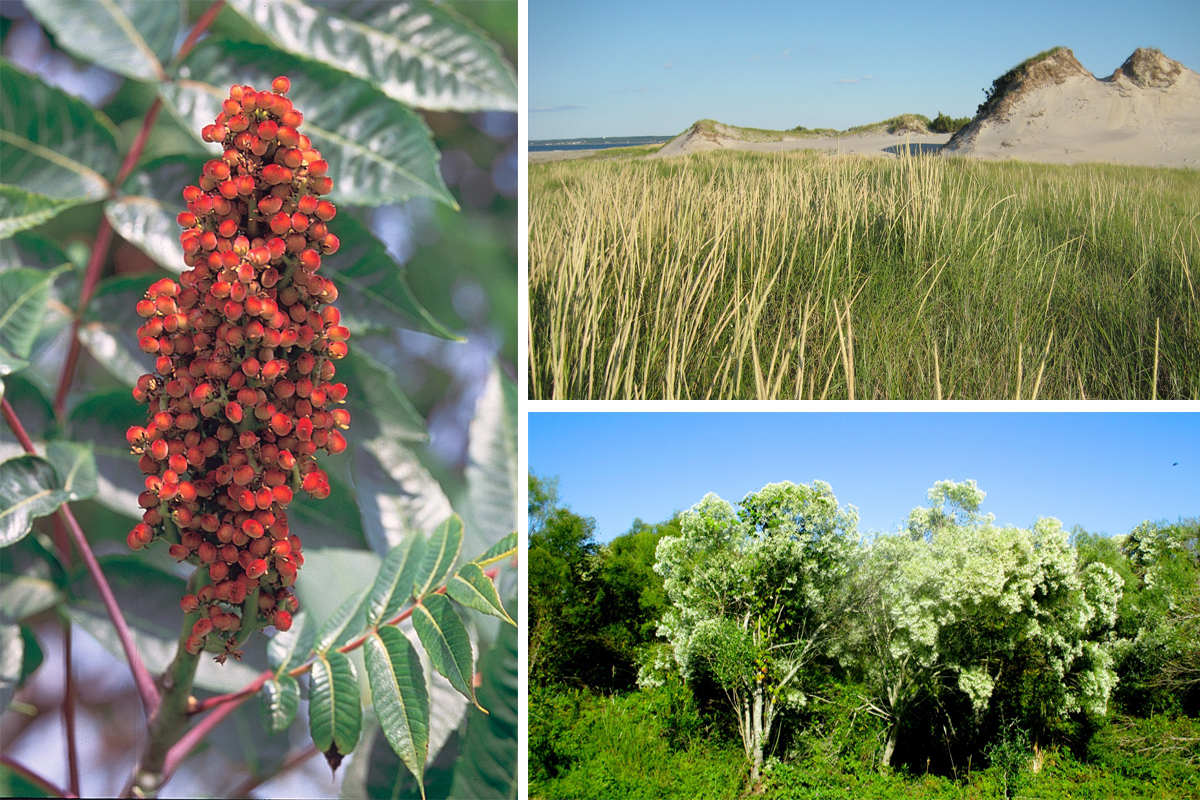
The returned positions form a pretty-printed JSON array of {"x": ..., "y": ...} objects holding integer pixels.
[
  {"x": 890, "y": 747},
  {"x": 758, "y": 737}
]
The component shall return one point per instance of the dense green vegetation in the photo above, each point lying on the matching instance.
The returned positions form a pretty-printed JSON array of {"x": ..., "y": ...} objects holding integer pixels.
[
  {"x": 612, "y": 714},
  {"x": 944, "y": 124},
  {"x": 795, "y": 275}
]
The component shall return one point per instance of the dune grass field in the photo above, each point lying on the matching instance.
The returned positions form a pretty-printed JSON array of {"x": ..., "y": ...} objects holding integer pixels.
[{"x": 802, "y": 275}]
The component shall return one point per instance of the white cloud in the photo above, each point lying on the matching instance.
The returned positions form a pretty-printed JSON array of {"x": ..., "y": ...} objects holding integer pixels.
[
  {"x": 869, "y": 78},
  {"x": 551, "y": 109},
  {"x": 848, "y": 80},
  {"x": 754, "y": 58},
  {"x": 668, "y": 65}
]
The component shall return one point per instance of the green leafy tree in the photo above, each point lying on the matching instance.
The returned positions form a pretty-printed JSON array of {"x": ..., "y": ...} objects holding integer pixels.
[
  {"x": 960, "y": 598},
  {"x": 757, "y": 593},
  {"x": 408, "y": 555},
  {"x": 1160, "y": 652}
]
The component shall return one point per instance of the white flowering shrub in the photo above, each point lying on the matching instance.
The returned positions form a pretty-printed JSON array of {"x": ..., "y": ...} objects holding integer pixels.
[
  {"x": 756, "y": 594},
  {"x": 959, "y": 596}
]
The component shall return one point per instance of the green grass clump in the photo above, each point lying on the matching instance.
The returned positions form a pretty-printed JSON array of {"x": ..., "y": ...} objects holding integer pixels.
[{"x": 795, "y": 275}]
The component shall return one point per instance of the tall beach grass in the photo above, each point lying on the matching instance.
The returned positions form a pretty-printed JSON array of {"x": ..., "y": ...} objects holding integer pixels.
[{"x": 800, "y": 275}]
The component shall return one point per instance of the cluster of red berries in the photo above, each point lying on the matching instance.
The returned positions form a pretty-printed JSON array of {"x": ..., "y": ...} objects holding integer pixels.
[{"x": 242, "y": 395}]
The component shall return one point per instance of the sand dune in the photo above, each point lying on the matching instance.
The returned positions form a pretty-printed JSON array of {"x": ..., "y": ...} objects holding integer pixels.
[
  {"x": 716, "y": 136},
  {"x": 1054, "y": 110},
  {"x": 1047, "y": 109}
]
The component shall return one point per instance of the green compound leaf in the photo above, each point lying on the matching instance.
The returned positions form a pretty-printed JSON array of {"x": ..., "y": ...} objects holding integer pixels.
[
  {"x": 75, "y": 463},
  {"x": 344, "y": 624},
  {"x": 129, "y": 37},
  {"x": 150, "y": 200},
  {"x": 20, "y": 209},
  {"x": 334, "y": 708},
  {"x": 25, "y": 292},
  {"x": 289, "y": 649},
  {"x": 378, "y": 150},
  {"x": 446, "y": 641},
  {"x": 281, "y": 698},
  {"x": 29, "y": 488},
  {"x": 401, "y": 699},
  {"x": 51, "y": 143},
  {"x": 417, "y": 52},
  {"x": 499, "y": 551},
  {"x": 440, "y": 554},
  {"x": 473, "y": 589},
  {"x": 393, "y": 584}
]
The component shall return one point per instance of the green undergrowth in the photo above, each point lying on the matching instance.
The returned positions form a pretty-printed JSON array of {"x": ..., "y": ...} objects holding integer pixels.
[
  {"x": 796, "y": 275},
  {"x": 656, "y": 744},
  {"x": 636, "y": 746}
]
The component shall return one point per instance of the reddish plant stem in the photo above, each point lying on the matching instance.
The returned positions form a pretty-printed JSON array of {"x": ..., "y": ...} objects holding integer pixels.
[
  {"x": 33, "y": 777},
  {"x": 62, "y": 543},
  {"x": 296, "y": 759},
  {"x": 68, "y": 710},
  {"x": 91, "y": 275},
  {"x": 141, "y": 675}
]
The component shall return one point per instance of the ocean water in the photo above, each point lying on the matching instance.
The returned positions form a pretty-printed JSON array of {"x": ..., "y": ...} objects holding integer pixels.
[{"x": 594, "y": 143}]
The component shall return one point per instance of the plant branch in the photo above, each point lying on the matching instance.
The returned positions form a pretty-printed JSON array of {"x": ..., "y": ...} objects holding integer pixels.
[
  {"x": 296, "y": 759},
  {"x": 141, "y": 675},
  {"x": 103, "y": 240},
  {"x": 33, "y": 777},
  {"x": 172, "y": 714},
  {"x": 68, "y": 710}
]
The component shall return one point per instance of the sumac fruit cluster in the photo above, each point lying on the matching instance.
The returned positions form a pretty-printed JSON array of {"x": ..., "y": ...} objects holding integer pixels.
[{"x": 242, "y": 396}]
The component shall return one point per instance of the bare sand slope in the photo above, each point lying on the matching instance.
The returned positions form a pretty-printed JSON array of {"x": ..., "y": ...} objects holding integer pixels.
[
  {"x": 882, "y": 144},
  {"x": 1147, "y": 112}
]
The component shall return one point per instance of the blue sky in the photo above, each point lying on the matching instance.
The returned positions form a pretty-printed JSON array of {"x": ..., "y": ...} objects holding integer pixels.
[
  {"x": 1104, "y": 471},
  {"x": 626, "y": 68}
]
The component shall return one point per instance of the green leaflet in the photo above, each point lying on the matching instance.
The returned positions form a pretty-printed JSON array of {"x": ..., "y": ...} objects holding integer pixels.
[
  {"x": 445, "y": 637},
  {"x": 129, "y": 37},
  {"x": 499, "y": 551},
  {"x": 487, "y": 762},
  {"x": 334, "y": 708},
  {"x": 373, "y": 292},
  {"x": 492, "y": 466},
  {"x": 25, "y": 292},
  {"x": 75, "y": 464},
  {"x": 440, "y": 554},
  {"x": 378, "y": 150},
  {"x": 401, "y": 699},
  {"x": 281, "y": 698},
  {"x": 289, "y": 649},
  {"x": 393, "y": 585},
  {"x": 12, "y": 653},
  {"x": 344, "y": 624},
  {"x": 150, "y": 200},
  {"x": 20, "y": 209},
  {"x": 417, "y": 52},
  {"x": 472, "y": 588},
  {"x": 29, "y": 488},
  {"x": 397, "y": 496},
  {"x": 51, "y": 143}
]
